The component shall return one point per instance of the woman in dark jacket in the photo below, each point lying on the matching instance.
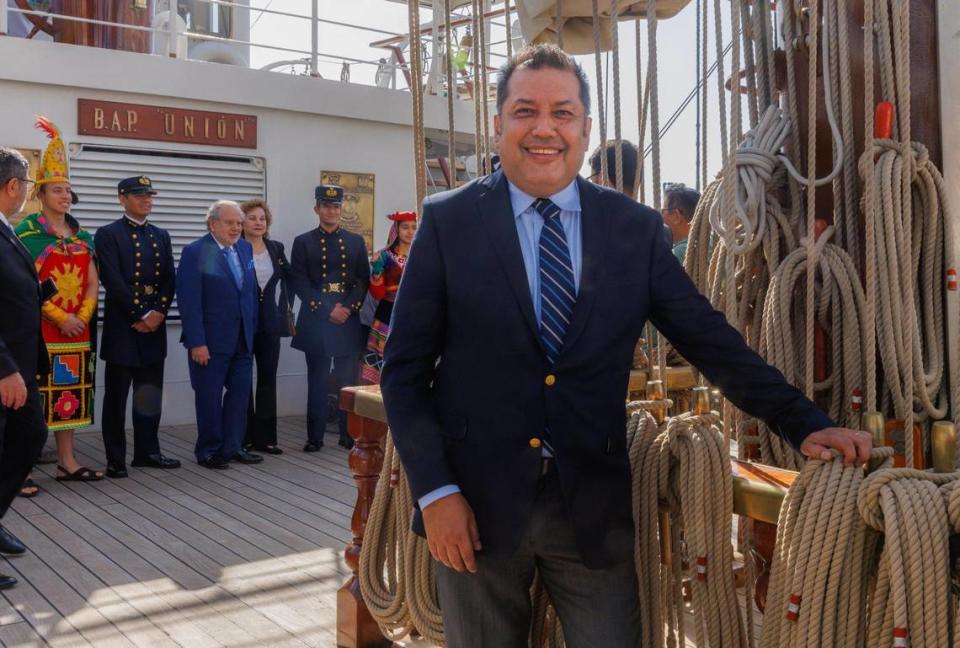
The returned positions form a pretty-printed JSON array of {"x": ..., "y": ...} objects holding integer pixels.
[{"x": 271, "y": 266}]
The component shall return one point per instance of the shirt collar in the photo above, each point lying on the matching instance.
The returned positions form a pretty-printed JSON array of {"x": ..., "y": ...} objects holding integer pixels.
[
  {"x": 567, "y": 199},
  {"x": 133, "y": 221},
  {"x": 3, "y": 219}
]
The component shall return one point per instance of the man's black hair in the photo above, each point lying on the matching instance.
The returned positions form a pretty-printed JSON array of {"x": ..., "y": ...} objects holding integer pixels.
[
  {"x": 536, "y": 57},
  {"x": 683, "y": 198},
  {"x": 630, "y": 156}
]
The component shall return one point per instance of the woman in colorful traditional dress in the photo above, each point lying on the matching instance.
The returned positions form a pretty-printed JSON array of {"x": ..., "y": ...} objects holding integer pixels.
[
  {"x": 63, "y": 252},
  {"x": 386, "y": 270}
]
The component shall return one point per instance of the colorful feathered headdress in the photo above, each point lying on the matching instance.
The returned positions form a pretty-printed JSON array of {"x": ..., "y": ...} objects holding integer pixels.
[{"x": 54, "y": 166}]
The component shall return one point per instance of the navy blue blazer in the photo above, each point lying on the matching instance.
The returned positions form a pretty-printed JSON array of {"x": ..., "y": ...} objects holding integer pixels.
[
  {"x": 465, "y": 381},
  {"x": 22, "y": 349},
  {"x": 213, "y": 311},
  {"x": 138, "y": 276},
  {"x": 272, "y": 317}
]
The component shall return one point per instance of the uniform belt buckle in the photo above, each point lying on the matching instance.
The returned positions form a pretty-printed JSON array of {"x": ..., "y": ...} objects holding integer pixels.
[
  {"x": 334, "y": 287},
  {"x": 148, "y": 290}
]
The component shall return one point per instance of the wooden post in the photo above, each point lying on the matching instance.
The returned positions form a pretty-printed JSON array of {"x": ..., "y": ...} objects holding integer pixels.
[{"x": 355, "y": 626}]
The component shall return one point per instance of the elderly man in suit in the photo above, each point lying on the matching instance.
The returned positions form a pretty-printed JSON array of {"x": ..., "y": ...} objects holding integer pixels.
[
  {"x": 507, "y": 364},
  {"x": 217, "y": 298},
  {"x": 22, "y": 352},
  {"x": 136, "y": 268}
]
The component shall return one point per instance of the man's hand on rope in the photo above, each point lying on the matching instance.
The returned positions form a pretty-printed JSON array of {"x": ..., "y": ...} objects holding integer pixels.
[
  {"x": 855, "y": 445},
  {"x": 452, "y": 532}
]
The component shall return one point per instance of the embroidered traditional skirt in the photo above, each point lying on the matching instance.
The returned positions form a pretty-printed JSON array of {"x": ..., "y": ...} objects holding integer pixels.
[
  {"x": 373, "y": 358},
  {"x": 66, "y": 393}
]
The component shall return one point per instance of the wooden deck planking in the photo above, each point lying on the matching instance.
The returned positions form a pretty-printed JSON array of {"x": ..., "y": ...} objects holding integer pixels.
[{"x": 250, "y": 556}]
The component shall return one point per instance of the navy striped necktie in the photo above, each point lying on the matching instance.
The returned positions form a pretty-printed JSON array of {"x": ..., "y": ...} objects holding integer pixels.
[{"x": 558, "y": 291}]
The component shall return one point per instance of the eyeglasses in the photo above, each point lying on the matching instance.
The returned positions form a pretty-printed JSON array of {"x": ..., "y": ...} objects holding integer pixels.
[{"x": 27, "y": 181}]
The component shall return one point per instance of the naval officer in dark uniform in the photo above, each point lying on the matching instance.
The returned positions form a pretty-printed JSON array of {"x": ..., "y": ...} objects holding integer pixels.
[
  {"x": 329, "y": 273},
  {"x": 137, "y": 272}
]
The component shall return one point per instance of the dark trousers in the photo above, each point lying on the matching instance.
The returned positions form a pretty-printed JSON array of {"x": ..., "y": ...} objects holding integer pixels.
[
  {"x": 22, "y": 435},
  {"x": 491, "y": 608},
  {"x": 262, "y": 411},
  {"x": 319, "y": 374},
  {"x": 221, "y": 417},
  {"x": 147, "y": 405}
]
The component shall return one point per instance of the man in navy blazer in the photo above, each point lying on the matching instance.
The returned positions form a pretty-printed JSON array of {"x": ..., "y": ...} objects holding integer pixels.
[
  {"x": 507, "y": 364},
  {"x": 217, "y": 298}
]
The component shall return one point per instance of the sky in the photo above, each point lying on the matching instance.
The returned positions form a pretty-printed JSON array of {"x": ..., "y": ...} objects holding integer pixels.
[{"x": 677, "y": 69}]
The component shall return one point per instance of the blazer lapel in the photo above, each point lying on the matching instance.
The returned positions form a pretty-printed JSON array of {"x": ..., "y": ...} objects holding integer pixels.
[
  {"x": 595, "y": 230},
  {"x": 497, "y": 214},
  {"x": 18, "y": 246}
]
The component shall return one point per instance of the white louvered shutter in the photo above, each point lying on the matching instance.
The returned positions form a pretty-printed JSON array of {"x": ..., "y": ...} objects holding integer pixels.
[{"x": 186, "y": 185}]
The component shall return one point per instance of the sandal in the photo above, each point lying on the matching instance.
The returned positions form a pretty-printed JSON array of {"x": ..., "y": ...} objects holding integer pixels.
[
  {"x": 29, "y": 488},
  {"x": 82, "y": 474}
]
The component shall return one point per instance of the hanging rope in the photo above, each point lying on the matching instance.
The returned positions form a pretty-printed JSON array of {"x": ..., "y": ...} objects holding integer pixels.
[
  {"x": 484, "y": 95},
  {"x": 652, "y": 88},
  {"x": 910, "y": 604},
  {"x": 506, "y": 16},
  {"x": 822, "y": 561},
  {"x": 451, "y": 93},
  {"x": 615, "y": 38},
  {"x": 601, "y": 108},
  {"x": 416, "y": 92},
  {"x": 839, "y": 310},
  {"x": 478, "y": 89}
]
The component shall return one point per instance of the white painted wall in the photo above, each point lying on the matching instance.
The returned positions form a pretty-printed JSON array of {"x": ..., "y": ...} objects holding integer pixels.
[{"x": 304, "y": 125}]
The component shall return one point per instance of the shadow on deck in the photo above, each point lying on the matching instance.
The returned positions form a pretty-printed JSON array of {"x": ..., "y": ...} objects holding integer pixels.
[{"x": 250, "y": 556}]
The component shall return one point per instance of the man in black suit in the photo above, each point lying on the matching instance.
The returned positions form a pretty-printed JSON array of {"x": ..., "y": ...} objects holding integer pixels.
[
  {"x": 137, "y": 272},
  {"x": 507, "y": 364},
  {"x": 22, "y": 352},
  {"x": 329, "y": 272}
]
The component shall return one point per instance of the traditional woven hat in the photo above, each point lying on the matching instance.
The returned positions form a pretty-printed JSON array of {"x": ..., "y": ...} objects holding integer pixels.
[{"x": 54, "y": 166}]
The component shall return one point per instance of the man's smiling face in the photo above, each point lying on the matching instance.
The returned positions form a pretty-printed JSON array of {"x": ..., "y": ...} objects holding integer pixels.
[{"x": 542, "y": 130}]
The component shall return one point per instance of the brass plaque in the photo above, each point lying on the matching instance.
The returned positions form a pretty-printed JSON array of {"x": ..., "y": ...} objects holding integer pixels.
[{"x": 357, "y": 213}]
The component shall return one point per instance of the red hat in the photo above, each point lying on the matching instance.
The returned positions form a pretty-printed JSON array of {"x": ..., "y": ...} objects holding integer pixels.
[{"x": 401, "y": 216}]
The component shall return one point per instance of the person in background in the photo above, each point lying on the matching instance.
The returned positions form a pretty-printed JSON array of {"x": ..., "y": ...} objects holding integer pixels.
[
  {"x": 680, "y": 203},
  {"x": 64, "y": 252},
  {"x": 217, "y": 298},
  {"x": 385, "y": 273},
  {"x": 273, "y": 322},
  {"x": 329, "y": 271},
  {"x": 630, "y": 158},
  {"x": 136, "y": 264},
  {"x": 23, "y": 354}
]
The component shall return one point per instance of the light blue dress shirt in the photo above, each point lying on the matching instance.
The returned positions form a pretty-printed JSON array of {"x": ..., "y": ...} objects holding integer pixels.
[{"x": 529, "y": 224}]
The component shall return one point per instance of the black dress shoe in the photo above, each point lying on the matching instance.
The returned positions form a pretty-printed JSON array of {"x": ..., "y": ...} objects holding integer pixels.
[
  {"x": 312, "y": 447},
  {"x": 10, "y": 544},
  {"x": 6, "y": 582},
  {"x": 245, "y": 457},
  {"x": 214, "y": 462},
  {"x": 345, "y": 442},
  {"x": 116, "y": 472},
  {"x": 154, "y": 461},
  {"x": 268, "y": 449}
]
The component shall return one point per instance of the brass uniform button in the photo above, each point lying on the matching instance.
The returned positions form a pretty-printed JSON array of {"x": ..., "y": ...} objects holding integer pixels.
[
  {"x": 534, "y": 442},
  {"x": 549, "y": 380}
]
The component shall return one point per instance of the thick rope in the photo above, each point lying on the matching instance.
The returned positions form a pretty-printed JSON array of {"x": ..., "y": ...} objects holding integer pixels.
[
  {"x": 839, "y": 310},
  {"x": 479, "y": 91},
  {"x": 911, "y": 599},
  {"x": 822, "y": 561},
  {"x": 485, "y": 84},
  {"x": 601, "y": 107},
  {"x": 652, "y": 88},
  {"x": 618, "y": 137},
  {"x": 416, "y": 92},
  {"x": 451, "y": 93}
]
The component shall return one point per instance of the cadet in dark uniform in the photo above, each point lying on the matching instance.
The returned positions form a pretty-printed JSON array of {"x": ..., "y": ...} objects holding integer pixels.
[
  {"x": 329, "y": 273},
  {"x": 136, "y": 269}
]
